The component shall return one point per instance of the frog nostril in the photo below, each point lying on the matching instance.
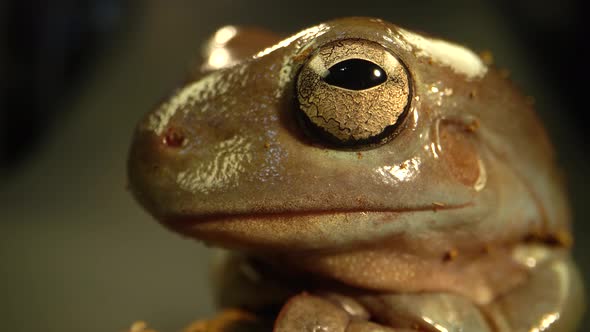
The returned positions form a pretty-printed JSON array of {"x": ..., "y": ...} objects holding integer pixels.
[{"x": 173, "y": 137}]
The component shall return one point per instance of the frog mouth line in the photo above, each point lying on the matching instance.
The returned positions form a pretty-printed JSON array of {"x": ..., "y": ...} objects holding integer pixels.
[
  {"x": 289, "y": 229},
  {"x": 188, "y": 221}
]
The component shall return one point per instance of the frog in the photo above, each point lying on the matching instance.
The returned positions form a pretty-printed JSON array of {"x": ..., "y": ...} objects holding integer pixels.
[{"x": 360, "y": 176}]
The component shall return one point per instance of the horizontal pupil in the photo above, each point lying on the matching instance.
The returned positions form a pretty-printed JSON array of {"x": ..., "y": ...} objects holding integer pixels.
[{"x": 355, "y": 74}]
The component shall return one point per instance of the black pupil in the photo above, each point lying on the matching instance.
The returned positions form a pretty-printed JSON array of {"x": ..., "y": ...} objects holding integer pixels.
[{"x": 355, "y": 74}]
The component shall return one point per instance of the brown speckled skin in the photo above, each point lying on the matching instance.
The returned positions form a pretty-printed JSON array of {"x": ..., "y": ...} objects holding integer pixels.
[{"x": 467, "y": 180}]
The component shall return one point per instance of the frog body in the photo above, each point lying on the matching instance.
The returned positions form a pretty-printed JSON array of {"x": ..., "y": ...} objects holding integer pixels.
[{"x": 358, "y": 160}]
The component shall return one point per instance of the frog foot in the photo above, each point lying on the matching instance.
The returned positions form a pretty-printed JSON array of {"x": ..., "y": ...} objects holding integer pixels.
[
  {"x": 229, "y": 320},
  {"x": 140, "y": 326}
]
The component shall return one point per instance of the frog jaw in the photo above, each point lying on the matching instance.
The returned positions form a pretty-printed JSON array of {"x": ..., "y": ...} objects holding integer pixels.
[{"x": 322, "y": 230}]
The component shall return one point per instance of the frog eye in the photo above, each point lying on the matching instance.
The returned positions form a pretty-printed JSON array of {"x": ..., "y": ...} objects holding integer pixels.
[
  {"x": 352, "y": 93},
  {"x": 355, "y": 74}
]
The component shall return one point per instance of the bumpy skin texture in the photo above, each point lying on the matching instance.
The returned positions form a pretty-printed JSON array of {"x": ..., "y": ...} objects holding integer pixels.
[{"x": 462, "y": 201}]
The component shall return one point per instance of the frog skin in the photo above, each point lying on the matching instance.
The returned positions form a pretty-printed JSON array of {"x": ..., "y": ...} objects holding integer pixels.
[{"x": 363, "y": 178}]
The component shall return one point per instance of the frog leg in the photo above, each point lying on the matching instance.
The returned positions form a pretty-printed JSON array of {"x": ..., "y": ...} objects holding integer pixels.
[
  {"x": 427, "y": 312},
  {"x": 551, "y": 300},
  {"x": 309, "y": 313}
]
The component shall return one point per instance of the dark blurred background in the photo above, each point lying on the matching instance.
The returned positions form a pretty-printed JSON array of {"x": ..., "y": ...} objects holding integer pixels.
[{"x": 76, "y": 253}]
